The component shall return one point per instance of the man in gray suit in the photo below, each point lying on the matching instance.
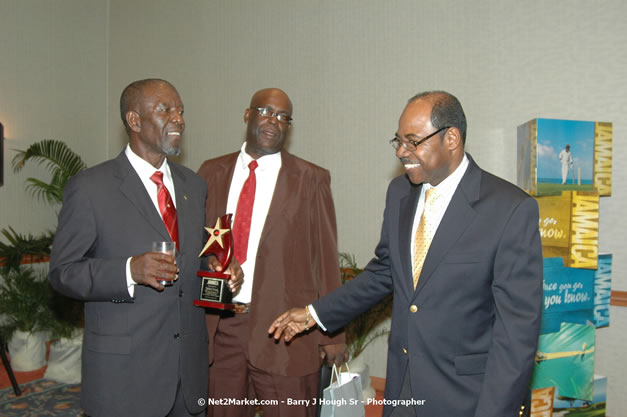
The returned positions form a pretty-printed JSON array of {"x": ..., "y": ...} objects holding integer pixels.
[
  {"x": 460, "y": 249},
  {"x": 145, "y": 345}
]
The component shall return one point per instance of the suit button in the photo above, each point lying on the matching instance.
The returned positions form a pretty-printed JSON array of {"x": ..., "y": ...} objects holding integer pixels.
[
  {"x": 181, "y": 293},
  {"x": 177, "y": 335},
  {"x": 413, "y": 308},
  {"x": 404, "y": 351}
]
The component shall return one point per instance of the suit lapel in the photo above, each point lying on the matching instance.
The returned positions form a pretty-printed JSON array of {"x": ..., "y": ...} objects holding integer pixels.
[
  {"x": 407, "y": 212},
  {"x": 458, "y": 216},
  {"x": 133, "y": 189},
  {"x": 284, "y": 184},
  {"x": 221, "y": 186},
  {"x": 218, "y": 180},
  {"x": 180, "y": 187}
]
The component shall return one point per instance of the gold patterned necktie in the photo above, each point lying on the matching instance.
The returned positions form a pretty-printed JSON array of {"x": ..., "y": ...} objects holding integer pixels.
[{"x": 424, "y": 233}]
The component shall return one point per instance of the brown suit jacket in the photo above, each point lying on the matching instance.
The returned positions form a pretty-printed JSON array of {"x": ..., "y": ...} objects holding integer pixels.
[{"x": 297, "y": 260}]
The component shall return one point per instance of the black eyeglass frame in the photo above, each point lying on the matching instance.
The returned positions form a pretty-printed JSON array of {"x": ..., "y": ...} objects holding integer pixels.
[{"x": 397, "y": 143}]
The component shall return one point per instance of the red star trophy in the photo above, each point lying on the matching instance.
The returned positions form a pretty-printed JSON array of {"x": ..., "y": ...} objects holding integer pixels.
[{"x": 214, "y": 293}]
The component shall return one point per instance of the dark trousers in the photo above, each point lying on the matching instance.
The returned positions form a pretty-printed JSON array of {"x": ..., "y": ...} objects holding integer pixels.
[{"x": 232, "y": 376}]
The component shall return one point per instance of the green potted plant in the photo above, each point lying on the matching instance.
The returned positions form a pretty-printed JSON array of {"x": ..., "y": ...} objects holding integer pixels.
[
  {"x": 360, "y": 332},
  {"x": 64, "y": 316},
  {"x": 24, "y": 249},
  {"x": 25, "y": 299}
]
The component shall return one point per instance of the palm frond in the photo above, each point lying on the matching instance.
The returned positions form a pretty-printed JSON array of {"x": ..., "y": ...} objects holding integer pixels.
[
  {"x": 356, "y": 348},
  {"x": 360, "y": 331},
  {"x": 58, "y": 158},
  {"x": 25, "y": 298},
  {"x": 19, "y": 245},
  {"x": 52, "y": 152},
  {"x": 44, "y": 191},
  {"x": 347, "y": 260}
]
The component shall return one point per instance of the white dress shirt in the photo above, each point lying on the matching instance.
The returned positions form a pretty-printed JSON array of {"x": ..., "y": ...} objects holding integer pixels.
[
  {"x": 266, "y": 175},
  {"x": 145, "y": 171},
  {"x": 445, "y": 190}
]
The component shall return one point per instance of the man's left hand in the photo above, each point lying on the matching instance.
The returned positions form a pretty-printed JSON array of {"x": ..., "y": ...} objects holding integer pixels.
[
  {"x": 234, "y": 269},
  {"x": 334, "y": 354}
]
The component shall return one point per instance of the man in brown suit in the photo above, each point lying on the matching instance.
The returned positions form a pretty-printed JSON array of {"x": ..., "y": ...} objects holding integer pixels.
[{"x": 290, "y": 259}]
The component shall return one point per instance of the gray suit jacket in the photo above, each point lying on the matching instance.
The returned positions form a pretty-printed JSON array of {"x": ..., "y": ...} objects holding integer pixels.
[
  {"x": 136, "y": 350},
  {"x": 469, "y": 331}
]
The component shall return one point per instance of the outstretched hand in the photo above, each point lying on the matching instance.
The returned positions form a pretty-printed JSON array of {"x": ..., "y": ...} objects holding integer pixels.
[{"x": 291, "y": 323}]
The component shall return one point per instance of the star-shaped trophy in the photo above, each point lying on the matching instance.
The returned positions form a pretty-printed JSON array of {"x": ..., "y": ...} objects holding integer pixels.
[{"x": 214, "y": 293}]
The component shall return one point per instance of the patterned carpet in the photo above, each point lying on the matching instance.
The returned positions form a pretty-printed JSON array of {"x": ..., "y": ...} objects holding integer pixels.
[
  {"x": 41, "y": 398},
  {"x": 45, "y": 398}
]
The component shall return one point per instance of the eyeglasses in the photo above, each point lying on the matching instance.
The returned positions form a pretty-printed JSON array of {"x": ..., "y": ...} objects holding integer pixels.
[
  {"x": 268, "y": 112},
  {"x": 411, "y": 145}
]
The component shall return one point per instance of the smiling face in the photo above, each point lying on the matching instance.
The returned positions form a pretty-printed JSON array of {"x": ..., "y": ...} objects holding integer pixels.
[
  {"x": 437, "y": 157},
  {"x": 156, "y": 122},
  {"x": 265, "y": 135}
]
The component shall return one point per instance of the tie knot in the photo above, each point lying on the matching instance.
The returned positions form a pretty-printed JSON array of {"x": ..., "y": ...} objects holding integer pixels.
[
  {"x": 431, "y": 194},
  {"x": 253, "y": 165},
  {"x": 157, "y": 178}
]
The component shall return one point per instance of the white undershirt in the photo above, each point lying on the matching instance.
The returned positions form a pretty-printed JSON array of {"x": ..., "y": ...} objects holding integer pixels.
[
  {"x": 445, "y": 191},
  {"x": 145, "y": 170},
  {"x": 266, "y": 175}
]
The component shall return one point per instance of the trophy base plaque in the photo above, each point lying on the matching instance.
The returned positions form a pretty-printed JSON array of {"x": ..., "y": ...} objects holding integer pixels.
[{"x": 214, "y": 292}]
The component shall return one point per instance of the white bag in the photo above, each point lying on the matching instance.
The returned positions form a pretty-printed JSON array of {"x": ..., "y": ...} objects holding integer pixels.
[
  {"x": 27, "y": 350},
  {"x": 343, "y": 398},
  {"x": 64, "y": 362}
]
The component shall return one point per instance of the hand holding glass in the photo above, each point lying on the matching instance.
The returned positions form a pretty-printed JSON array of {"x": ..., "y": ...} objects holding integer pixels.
[{"x": 168, "y": 248}]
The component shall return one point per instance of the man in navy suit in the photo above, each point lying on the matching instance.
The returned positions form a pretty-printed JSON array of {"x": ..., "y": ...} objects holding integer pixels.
[
  {"x": 145, "y": 346},
  {"x": 465, "y": 269}
]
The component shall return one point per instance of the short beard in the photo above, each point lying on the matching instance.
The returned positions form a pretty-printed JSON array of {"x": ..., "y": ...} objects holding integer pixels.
[{"x": 170, "y": 150}]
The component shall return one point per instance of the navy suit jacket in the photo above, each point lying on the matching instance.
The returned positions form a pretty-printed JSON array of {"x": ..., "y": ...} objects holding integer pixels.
[
  {"x": 468, "y": 333},
  {"x": 135, "y": 350}
]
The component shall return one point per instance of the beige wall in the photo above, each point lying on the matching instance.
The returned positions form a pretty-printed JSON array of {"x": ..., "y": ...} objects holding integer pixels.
[
  {"x": 53, "y": 85},
  {"x": 349, "y": 66}
]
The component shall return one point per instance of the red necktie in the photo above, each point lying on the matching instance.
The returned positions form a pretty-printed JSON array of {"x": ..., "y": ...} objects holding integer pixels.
[
  {"x": 166, "y": 207},
  {"x": 243, "y": 215}
]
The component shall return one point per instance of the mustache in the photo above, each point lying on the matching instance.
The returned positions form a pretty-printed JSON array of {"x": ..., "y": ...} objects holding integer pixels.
[{"x": 406, "y": 161}]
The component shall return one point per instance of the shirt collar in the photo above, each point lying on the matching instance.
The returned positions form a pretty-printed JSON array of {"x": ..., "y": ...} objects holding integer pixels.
[
  {"x": 143, "y": 168},
  {"x": 450, "y": 183},
  {"x": 265, "y": 162}
]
